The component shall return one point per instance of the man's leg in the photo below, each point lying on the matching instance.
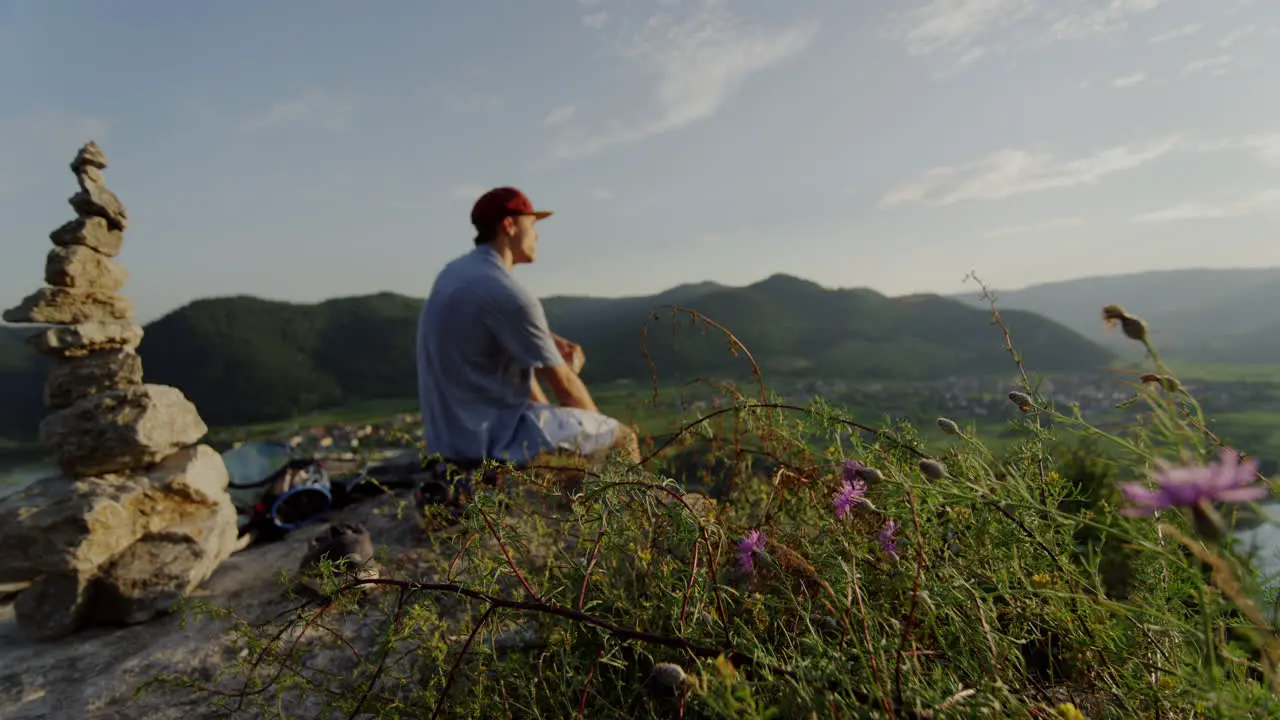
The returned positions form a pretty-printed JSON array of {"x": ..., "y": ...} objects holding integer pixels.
[
  {"x": 590, "y": 435},
  {"x": 626, "y": 440}
]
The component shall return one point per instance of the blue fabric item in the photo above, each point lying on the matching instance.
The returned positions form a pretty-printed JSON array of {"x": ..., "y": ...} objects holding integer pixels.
[
  {"x": 315, "y": 498},
  {"x": 480, "y": 336}
]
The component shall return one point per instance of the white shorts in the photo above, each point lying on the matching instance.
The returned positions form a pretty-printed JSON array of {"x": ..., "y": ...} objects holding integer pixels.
[{"x": 574, "y": 429}]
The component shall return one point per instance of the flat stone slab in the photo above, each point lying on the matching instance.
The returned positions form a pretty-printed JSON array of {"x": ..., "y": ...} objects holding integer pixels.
[
  {"x": 74, "y": 379},
  {"x": 96, "y": 200},
  {"x": 91, "y": 232},
  {"x": 83, "y": 268},
  {"x": 89, "y": 156},
  {"x": 121, "y": 430},
  {"x": 78, "y": 525},
  {"x": 65, "y": 306},
  {"x": 66, "y": 341}
]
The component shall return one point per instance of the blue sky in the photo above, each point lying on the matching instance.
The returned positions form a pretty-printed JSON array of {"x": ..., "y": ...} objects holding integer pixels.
[{"x": 307, "y": 151}]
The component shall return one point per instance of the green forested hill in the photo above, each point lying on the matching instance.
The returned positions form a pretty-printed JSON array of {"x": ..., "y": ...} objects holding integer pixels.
[
  {"x": 244, "y": 359},
  {"x": 797, "y": 328}
]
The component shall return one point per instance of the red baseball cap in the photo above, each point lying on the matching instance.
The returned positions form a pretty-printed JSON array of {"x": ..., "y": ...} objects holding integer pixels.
[{"x": 502, "y": 202}]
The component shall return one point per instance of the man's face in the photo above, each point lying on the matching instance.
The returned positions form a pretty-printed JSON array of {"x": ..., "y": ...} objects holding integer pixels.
[{"x": 524, "y": 241}]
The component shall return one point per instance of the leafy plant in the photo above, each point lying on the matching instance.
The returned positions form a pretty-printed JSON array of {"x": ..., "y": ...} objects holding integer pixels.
[{"x": 838, "y": 569}]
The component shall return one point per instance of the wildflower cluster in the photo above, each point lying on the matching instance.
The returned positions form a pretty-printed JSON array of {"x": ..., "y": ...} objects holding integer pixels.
[{"x": 829, "y": 569}]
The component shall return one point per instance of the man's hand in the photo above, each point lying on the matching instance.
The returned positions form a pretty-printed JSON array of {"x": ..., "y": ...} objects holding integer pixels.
[
  {"x": 567, "y": 387},
  {"x": 572, "y": 353}
]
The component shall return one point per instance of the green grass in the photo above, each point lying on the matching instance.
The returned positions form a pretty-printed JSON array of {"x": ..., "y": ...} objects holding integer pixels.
[
  {"x": 1015, "y": 587},
  {"x": 633, "y": 402},
  {"x": 372, "y": 411},
  {"x": 1228, "y": 373}
]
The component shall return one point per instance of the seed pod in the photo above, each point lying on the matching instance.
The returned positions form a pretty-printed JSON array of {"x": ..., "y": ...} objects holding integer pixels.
[
  {"x": 870, "y": 474},
  {"x": 668, "y": 675},
  {"x": 1170, "y": 384},
  {"x": 933, "y": 469},
  {"x": 948, "y": 426},
  {"x": 1132, "y": 326}
]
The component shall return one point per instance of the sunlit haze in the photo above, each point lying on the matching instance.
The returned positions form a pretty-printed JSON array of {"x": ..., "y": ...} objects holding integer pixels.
[{"x": 304, "y": 152}]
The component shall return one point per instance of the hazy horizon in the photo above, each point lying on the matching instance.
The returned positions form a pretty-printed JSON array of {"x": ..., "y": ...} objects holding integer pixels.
[
  {"x": 303, "y": 156},
  {"x": 968, "y": 288}
]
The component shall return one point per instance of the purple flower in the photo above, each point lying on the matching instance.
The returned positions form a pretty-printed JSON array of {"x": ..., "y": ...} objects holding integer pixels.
[
  {"x": 851, "y": 469},
  {"x": 748, "y": 547},
  {"x": 1227, "y": 480},
  {"x": 888, "y": 543},
  {"x": 850, "y": 494}
]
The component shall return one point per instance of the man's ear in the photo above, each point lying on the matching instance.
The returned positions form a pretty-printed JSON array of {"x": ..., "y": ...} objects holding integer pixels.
[{"x": 508, "y": 226}]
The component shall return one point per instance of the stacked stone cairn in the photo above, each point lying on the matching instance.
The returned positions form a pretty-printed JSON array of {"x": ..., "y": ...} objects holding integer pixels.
[{"x": 139, "y": 515}]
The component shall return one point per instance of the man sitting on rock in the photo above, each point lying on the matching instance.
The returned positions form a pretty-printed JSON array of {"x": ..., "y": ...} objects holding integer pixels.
[{"x": 483, "y": 344}]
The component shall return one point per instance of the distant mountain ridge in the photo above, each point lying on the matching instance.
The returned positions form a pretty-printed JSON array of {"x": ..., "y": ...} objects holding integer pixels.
[
  {"x": 243, "y": 359},
  {"x": 1195, "y": 315}
]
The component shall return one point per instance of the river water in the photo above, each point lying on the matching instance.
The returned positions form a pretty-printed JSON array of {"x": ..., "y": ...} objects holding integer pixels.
[{"x": 14, "y": 478}]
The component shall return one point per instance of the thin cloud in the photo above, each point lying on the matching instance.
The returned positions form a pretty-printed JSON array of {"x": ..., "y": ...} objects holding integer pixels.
[
  {"x": 1267, "y": 147},
  {"x": 971, "y": 56},
  {"x": 593, "y": 16},
  {"x": 1255, "y": 203},
  {"x": 313, "y": 107},
  {"x": 701, "y": 56},
  {"x": 1237, "y": 35},
  {"x": 1111, "y": 17},
  {"x": 559, "y": 116},
  {"x": 1185, "y": 31},
  {"x": 1108, "y": 18},
  {"x": 957, "y": 24},
  {"x": 1036, "y": 228},
  {"x": 963, "y": 27},
  {"x": 467, "y": 191},
  {"x": 1128, "y": 81},
  {"x": 1211, "y": 63},
  {"x": 1006, "y": 173}
]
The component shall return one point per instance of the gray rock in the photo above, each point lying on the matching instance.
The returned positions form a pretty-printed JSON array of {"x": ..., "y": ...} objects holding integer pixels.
[
  {"x": 89, "y": 156},
  {"x": 63, "y": 524},
  {"x": 65, "y": 306},
  {"x": 9, "y": 591},
  {"x": 119, "y": 548},
  {"x": 77, "y": 266},
  {"x": 161, "y": 568},
  {"x": 73, "y": 379},
  {"x": 54, "y": 605},
  {"x": 91, "y": 232},
  {"x": 341, "y": 544},
  {"x": 67, "y": 341},
  {"x": 96, "y": 200},
  {"x": 121, "y": 430},
  {"x": 88, "y": 176}
]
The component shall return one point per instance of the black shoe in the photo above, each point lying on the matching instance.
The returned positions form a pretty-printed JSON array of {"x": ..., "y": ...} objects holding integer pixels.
[
  {"x": 348, "y": 545},
  {"x": 444, "y": 484}
]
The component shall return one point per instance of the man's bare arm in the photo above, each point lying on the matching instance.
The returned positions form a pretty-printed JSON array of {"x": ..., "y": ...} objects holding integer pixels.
[
  {"x": 568, "y": 388},
  {"x": 535, "y": 391}
]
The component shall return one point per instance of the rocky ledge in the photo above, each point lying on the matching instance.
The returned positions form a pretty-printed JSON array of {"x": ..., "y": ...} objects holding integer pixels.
[{"x": 95, "y": 673}]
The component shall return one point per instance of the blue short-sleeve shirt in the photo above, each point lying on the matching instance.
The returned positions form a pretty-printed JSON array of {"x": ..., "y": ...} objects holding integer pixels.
[{"x": 480, "y": 336}]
